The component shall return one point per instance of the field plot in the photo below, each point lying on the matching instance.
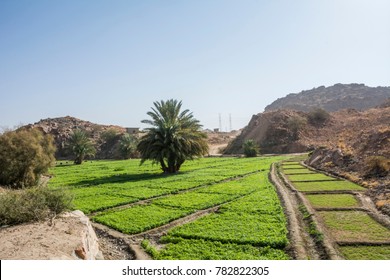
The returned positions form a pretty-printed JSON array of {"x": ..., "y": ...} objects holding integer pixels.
[
  {"x": 100, "y": 185},
  {"x": 354, "y": 226},
  {"x": 293, "y": 166},
  {"x": 297, "y": 171},
  {"x": 140, "y": 218},
  {"x": 327, "y": 186},
  {"x": 332, "y": 200},
  {"x": 360, "y": 252},
  {"x": 199, "y": 249},
  {"x": 310, "y": 177}
]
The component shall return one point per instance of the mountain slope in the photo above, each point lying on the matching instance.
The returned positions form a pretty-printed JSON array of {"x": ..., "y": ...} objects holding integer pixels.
[{"x": 333, "y": 98}]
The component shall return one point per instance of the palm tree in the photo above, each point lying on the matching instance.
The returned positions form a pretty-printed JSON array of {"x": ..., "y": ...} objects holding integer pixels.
[
  {"x": 80, "y": 146},
  {"x": 127, "y": 146},
  {"x": 174, "y": 137}
]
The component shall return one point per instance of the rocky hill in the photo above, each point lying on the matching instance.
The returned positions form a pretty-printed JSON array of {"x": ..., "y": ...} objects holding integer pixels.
[
  {"x": 333, "y": 98},
  {"x": 62, "y": 127}
]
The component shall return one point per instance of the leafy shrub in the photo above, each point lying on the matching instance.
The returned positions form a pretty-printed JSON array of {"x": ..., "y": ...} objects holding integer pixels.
[
  {"x": 250, "y": 148},
  {"x": 33, "y": 204},
  {"x": 377, "y": 166},
  {"x": 318, "y": 117},
  {"x": 25, "y": 155}
]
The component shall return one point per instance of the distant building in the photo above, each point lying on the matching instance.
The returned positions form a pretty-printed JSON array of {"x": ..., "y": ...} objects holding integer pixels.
[
  {"x": 216, "y": 130},
  {"x": 132, "y": 130}
]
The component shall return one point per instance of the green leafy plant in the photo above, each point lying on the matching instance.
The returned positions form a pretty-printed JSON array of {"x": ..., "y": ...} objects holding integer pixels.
[{"x": 250, "y": 148}]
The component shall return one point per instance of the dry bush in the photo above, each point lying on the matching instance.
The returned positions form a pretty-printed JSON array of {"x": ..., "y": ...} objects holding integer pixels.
[
  {"x": 25, "y": 155},
  {"x": 33, "y": 204},
  {"x": 318, "y": 117},
  {"x": 377, "y": 166}
]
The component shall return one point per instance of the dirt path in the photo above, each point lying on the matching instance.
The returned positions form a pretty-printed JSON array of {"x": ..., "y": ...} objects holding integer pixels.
[{"x": 302, "y": 247}]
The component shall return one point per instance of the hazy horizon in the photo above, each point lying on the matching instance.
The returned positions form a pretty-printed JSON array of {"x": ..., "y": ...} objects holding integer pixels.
[{"x": 107, "y": 62}]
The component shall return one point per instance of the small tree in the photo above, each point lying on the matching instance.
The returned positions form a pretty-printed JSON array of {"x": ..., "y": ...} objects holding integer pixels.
[
  {"x": 128, "y": 146},
  {"x": 295, "y": 124},
  {"x": 25, "y": 155},
  {"x": 80, "y": 146},
  {"x": 318, "y": 117},
  {"x": 109, "y": 136},
  {"x": 250, "y": 148}
]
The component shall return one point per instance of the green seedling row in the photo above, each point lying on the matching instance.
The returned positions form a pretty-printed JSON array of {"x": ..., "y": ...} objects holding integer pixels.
[
  {"x": 366, "y": 252},
  {"x": 140, "y": 218},
  {"x": 327, "y": 186},
  {"x": 310, "y": 177},
  {"x": 239, "y": 228},
  {"x": 291, "y": 163},
  {"x": 298, "y": 171},
  {"x": 199, "y": 249},
  {"x": 332, "y": 200},
  {"x": 354, "y": 226}
]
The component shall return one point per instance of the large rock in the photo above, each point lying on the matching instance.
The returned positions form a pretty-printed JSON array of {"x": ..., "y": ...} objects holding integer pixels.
[{"x": 68, "y": 237}]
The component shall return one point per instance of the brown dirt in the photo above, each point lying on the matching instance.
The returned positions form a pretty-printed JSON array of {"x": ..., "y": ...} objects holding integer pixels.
[{"x": 113, "y": 248}]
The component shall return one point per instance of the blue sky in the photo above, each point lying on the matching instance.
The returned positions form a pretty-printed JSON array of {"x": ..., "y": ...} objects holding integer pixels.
[{"x": 108, "y": 61}]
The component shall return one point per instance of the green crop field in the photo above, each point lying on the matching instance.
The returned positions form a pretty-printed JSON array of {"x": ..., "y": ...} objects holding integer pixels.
[
  {"x": 366, "y": 252},
  {"x": 253, "y": 226},
  {"x": 172, "y": 207},
  {"x": 99, "y": 185},
  {"x": 297, "y": 171},
  {"x": 293, "y": 166},
  {"x": 199, "y": 249},
  {"x": 327, "y": 186},
  {"x": 332, "y": 200},
  {"x": 354, "y": 226},
  {"x": 310, "y": 177},
  {"x": 250, "y": 223},
  {"x": 240, "y": 228}
]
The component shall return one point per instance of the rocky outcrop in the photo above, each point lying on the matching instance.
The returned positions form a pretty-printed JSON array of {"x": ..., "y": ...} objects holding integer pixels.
[
  {"x": 333, "y": 98},
  {"x": 61, "y": 129},
  {"x": 273, "y": 132},
  {"x": 68, "y": 237}
]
